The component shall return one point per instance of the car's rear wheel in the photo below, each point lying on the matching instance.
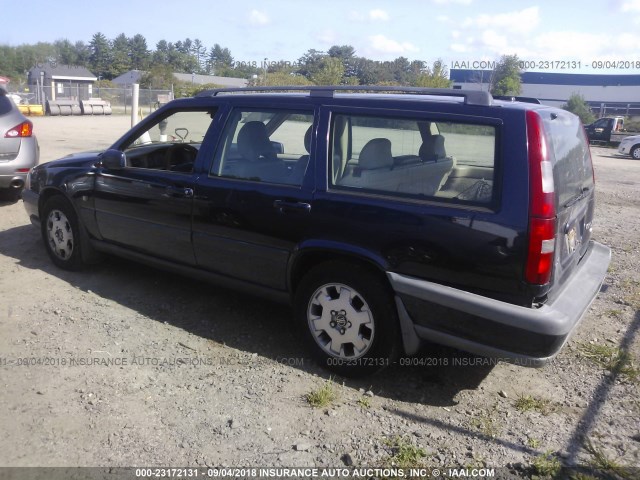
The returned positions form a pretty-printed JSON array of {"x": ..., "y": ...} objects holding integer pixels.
[
  {"x": 635, "y": 152},
  {"x": 348, "y": 318},
  {"x": 61, "y": 234}
]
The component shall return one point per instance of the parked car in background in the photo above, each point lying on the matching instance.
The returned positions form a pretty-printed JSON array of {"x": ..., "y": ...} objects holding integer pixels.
[
  {"x": 630, "y": 146},
  {"x": 383, "y": 219},
  {"x": 19, "y": 150}
]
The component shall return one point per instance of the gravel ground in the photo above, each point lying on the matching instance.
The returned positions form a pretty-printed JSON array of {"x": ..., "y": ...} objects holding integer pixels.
[{"x": 137, "y": 367}]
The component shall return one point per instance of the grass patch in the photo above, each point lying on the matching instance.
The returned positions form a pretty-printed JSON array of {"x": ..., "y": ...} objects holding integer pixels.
[
  {"x": 364, "y": 402},
  {"x": 486, "y": 425},
  {"x": 633, "y": 297},
  {"x": 404, "y": 454},
  {"x": 533, "y": 442},
  {"x": 546, "y": 465},
  {"x": 527, "y": 403},
  {"x": 611, "y": 358},
  {"x": 323, "y": 396},
  {"x": 601, "y": 462},
  {"x": 614, "y": 313}
]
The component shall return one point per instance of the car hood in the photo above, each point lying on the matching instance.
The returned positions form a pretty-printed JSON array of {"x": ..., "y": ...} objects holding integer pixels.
[{"x": 75, "y": 160}]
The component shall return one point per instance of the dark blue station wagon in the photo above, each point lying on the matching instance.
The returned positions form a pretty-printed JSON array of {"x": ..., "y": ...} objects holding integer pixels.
[{"x": 383, "y": 217}]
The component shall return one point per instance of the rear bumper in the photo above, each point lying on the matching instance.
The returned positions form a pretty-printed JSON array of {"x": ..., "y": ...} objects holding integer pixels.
[
  {"x": 13, "y": 181},
  {"x": 484, "y": 326}
]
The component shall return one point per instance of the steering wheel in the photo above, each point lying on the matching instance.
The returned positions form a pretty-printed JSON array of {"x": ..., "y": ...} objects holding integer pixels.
[{"x": 179, "y": 154}]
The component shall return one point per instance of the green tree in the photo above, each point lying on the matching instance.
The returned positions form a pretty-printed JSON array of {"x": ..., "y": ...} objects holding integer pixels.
[
  {"x": 158, "y": 76},
  {"x": 506, "y": 76},
  {"x": 310, "y": 63},
  {"x": 347, "y": 55},
  {"x": 284, "y": 78},
  {"x": 330, "y": 72},
  {"x": 66, "y": 53},
  {"x": 120, "y": 56},
  {"x": 577, "y": 105},
  {"x": 199, "y": 51},
  {"x": 220, "y": 61},
  {"x": 100, "y": 57},
  {"x": 435, "y": 77},
  {"x": 140, "y": 56},
  {"x": 161, "y": 54}
]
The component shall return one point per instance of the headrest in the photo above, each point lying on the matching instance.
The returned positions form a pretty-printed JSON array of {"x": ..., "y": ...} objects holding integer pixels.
[
  {"x": 432, "y": 149},
  {"x": 253, "y": 141},
  {"x": 376, "y": 154}
]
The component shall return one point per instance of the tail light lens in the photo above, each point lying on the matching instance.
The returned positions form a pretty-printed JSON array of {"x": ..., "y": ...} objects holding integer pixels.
[
  {"x": 25, "y": 129},
  {"x": 542, "y": 214}
]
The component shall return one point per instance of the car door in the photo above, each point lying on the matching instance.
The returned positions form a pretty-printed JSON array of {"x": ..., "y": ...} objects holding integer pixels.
[
  {"x": 253, "y": 206},
  {"x": 146, "y": 206}
]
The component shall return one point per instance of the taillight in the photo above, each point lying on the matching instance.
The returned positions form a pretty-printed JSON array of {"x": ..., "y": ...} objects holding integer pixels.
[
  {"x": 542, "y": 211},
  {"x": 25, "y": 129}
]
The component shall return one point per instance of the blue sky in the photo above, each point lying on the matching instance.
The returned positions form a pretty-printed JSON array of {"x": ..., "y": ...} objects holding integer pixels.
[{"x": 454, "y": 30}]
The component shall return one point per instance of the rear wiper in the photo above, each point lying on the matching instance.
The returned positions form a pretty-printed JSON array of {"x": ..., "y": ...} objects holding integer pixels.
[{"x": 583, "y": 193}]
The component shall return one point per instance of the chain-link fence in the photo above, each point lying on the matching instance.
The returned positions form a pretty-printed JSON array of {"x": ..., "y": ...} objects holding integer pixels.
[{"x": 119, "y": 98}]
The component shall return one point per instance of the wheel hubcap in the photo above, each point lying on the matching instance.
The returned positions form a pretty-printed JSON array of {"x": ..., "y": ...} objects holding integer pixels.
[
  {"x": 60, "y": 234},
  {"x": 340, "y": 321}
]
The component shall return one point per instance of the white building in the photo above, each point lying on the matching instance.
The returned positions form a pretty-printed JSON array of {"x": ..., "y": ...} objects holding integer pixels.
[{"x": 607, "y": 94}]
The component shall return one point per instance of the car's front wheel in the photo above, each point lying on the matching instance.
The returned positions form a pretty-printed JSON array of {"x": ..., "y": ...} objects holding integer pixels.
[
  {"x": 348, "y": 318},
  {"x": 61, "y": 233},
  {"x": 635, "y": 152}
]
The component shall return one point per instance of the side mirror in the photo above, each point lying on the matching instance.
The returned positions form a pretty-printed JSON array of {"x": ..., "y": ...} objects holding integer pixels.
[{"x": 114, "y": 160}]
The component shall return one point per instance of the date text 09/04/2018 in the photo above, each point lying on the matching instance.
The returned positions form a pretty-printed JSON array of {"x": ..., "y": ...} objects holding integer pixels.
[{"x": 551, "y": 64}]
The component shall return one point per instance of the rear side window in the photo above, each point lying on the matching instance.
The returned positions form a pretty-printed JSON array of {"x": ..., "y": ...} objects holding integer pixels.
[
  {"x": 411, "y": 157},
  {"x": 5, "y": 104},
  {"x": 573, "y": 172}
]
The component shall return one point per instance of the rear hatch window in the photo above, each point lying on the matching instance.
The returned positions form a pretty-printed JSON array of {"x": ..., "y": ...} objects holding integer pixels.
[
  {"x": 573, "y": 180},
  {"x": 5, "y": 104},
  {"x": 570, "y": 155}
]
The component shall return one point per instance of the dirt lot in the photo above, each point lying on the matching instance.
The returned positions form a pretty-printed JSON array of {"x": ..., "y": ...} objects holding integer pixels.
[{"x": 126, "y": 365}]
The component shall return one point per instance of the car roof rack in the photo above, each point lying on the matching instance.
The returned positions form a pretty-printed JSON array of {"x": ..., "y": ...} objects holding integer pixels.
[{"x": 471, "y": 97}]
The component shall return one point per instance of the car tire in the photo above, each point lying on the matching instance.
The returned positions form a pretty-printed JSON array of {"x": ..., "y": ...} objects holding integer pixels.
[
  {"x": 61, "y": 233},
  {"x": 347, "y": 316},
  {"x": 635, "y": 152}
]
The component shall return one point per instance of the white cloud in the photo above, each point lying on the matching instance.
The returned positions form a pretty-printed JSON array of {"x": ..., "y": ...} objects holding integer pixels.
[
  {"x": 442, "y": 18},
  {"x": 569, "y": 45},
  {"x": 496, "y": 42},
  {"x": 523, "y": 21},
  {"x": 459, "y": 48},
  {"x": 447, "y": 2},
  {"x": 257, "y": 17},
  {"x": 631, "y": 6},
  {"x": 327, "y": 36},
  {"x": 378, "y": 14},
  {"x": 382, "y": 44}
]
